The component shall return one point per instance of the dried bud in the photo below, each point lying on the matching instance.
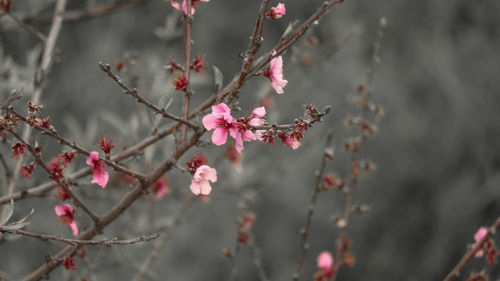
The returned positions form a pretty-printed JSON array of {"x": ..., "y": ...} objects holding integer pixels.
[
  {"x": 227, "y": 252},
  {"x": 348, "y": 259}
]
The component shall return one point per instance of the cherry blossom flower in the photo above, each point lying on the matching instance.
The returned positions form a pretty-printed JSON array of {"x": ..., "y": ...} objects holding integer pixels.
[
  {"x": 161, "y": 187},
  {"x": 66, "y": 214},
  {"x": 194, "y": 3},
  {"x": 241, "y": 132},
  {"x": 481, "y": 232},
  {"x": 180, "y": 82},
  {"x": 325, "y": 264},
  {"x": 275, "y": 74},
  {"x": 66, "y": 158},
  {"x": 106, "y": 145},
  {"x": 69, "y": 263},
  {"x": 100, "y": 176},
  {"x": 19, "y": 150},
  {"x": 277, "y": 12},
  {"x": 198, "y": 64},
  {"x": 200, "y": 183},
  {"x": 221, "y": 120},
  {"x": 27, "y": 170}
]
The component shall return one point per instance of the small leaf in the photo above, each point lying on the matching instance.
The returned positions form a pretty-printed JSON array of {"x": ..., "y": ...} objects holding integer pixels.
[
  {"x": 20, "y": 223},
  {"x": 218, "y": 78},
  {"x": 8, "y": 215}
]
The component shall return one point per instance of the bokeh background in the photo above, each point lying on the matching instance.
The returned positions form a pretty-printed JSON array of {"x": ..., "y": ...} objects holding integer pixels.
[{"x": 437, "y": 147}]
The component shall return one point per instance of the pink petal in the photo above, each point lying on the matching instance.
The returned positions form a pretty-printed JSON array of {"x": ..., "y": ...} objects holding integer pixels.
[
  {"x": 175, "y": 5},
  {"x": 480, "y": 233},
  {"x": 205, "y": 187},
  {"x": 94, "y": 155},
  {"x": 248, "y": 136},
  {"x": 325, "y": 260},
  {"x": 210, "y": 121},
  {"x": 235, "y": 133},
  {"x": 220, "y": 108},
  {"x": 195, "y": 187},
  {"x": 184, "y": 7},
  {"x": 259, "y": 111},
  {"x": 100, "y": 177},
  {"x": 62, "y": 209},
  {"x": 74, "y": 228},
  {"x": 219, "y": 136},
  {"x": 256, "y": 122}
]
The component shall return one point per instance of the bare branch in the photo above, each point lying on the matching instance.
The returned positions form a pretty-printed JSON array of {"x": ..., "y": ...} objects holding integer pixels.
[
  {"x": 76, "y": 242},
  {"x": 305, "y": 231},
  {"x": 133, "y": 92}
]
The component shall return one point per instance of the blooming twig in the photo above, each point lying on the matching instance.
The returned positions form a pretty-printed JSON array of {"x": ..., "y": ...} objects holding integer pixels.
[
  {"x": 472, "y": 251},
  {"x": 76, "y": 242},
  {"x": 133, "y": 92},
  {"x": 327, "y": 155},
  {"x": 117, "y": 210},
  {"x": 60, "y": 139},
  {"x": 62, "y": 182}
]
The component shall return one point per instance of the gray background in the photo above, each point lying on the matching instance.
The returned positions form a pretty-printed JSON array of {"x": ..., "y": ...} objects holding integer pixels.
[{"x": 436, "y": 149}]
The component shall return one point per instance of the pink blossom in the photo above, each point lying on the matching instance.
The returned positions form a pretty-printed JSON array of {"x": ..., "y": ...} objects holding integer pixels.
[
  {"x": 277, "y": 12},
  {"x": 161, "y": 187},
  {"x": 200, "y": 183},
  {"x": 221, "y": 120},
  {"x": 275, "y": 74},
  {"x": 483, "y": 231},
  {"x": 241, "y": 132},
  {"x": 325, "y": 260},
  {"x": 292, "y": 142},
  {"x": 100, "y": 176},
  {"x": 66, "y": 213},
  {"x": 184, "y": 5}
]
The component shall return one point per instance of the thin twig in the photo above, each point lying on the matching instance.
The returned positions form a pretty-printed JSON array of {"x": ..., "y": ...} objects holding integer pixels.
[
  {"x": 76, "y": 242},
  {"x": 253, "y": 47},
  {"x": 327, "y": 155},
  {"x": 188, "y": 22},
  {"x": 158, "y": 245},
  {"x": 28, "y": 28},
  {"x": 133, "y": 92},
  {"x": 357, "y": 150},
  {"x": 284, "y": 44},
  {"x": 455, "y": 272}
]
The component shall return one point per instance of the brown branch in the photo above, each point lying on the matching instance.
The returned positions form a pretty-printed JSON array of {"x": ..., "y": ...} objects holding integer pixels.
[
  {"x": 188, "y": 23},
  {"x": 116, "y": 211},
  {"x": 455, "y": 272},
  {"x": 63, "y": 183},
  {"x": 327, "y": 155},
  {"x": 133, "y": 92},
  {"x": 158, "y": 245},
  {"x": 253, "y": 47},
  {"x": 284, "y": 44},
  {"x": 76, "y": 242}
]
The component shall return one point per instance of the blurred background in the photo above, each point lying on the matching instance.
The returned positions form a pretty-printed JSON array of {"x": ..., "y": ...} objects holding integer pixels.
[{"x": 436, "y": 149}]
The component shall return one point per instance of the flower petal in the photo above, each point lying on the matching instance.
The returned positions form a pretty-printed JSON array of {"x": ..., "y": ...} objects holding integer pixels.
[
  {"x": 219, "y": 136},
  {"x": 220, "y": 108},
  {"x": 74, "y": 228},
  {"x": 195, "y": 187},
  {"x": 210, "y": 121}
]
